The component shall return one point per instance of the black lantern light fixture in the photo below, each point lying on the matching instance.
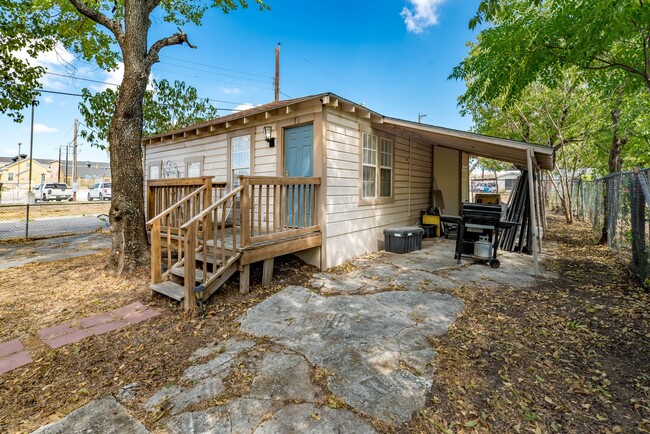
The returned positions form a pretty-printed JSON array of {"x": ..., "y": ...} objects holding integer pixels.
[{"x": 267, "y": 134}]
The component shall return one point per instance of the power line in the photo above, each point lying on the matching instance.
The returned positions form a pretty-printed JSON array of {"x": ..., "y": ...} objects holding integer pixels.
[
  {"x": 214, "y": 80},
  {"x": 212, "y": 66},
  {"x": 81, "y": 79},
  {"x": 59, "y": 93},
  {"x": 267, "y": 81}
]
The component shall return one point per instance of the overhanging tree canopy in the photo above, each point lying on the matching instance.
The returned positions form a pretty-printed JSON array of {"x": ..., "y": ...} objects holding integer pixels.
[{"x": 104, "y": 32}]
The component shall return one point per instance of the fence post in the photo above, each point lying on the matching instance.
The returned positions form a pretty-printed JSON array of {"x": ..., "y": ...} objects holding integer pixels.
[
  {"x": 27, "y": 222},
  {"x": 638, "y": 190}
]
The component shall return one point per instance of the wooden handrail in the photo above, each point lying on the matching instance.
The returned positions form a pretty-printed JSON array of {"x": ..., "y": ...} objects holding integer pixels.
[
  {"x": 283, "y": 180},
  {"x": 176, "y": 205},
  {"x": 178, "y": 182},
  {"x": 211, "y": 208}
]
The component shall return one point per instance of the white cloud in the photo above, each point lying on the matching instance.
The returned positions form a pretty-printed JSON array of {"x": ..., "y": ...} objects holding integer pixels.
[
  {"x": 421, "y": 14},
  {"x": 42, "y": 128},
  {"x": 47, "y": 99},
  {"x": 244, "y": 106}
]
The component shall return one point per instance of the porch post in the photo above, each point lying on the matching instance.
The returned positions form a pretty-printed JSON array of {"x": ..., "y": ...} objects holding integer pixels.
[{"x": 533, "y": 216}]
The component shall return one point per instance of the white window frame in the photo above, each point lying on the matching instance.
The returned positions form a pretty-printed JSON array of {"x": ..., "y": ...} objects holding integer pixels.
[
  {"x": 158, "y": 166},
  {"x": 191, "y": 161},
  {"x": 239, "y": 168},
  {"x": 376, "y": 146}
]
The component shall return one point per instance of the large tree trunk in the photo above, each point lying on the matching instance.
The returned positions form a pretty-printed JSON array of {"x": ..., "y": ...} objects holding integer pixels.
[{"x": 128, "y": 233}]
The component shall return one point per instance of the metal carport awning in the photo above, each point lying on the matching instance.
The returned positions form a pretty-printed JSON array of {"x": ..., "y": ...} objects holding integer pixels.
[
  {"x": 523, "y": 155},
  {"x": 496, "y": 148}
]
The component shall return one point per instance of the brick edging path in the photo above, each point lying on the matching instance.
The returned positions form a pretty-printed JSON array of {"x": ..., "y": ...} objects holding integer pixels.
[{"x": 14, "y": 355}]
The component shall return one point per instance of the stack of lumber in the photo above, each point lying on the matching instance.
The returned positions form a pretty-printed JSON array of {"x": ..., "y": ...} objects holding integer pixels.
[{"x": 519, "y": 237}]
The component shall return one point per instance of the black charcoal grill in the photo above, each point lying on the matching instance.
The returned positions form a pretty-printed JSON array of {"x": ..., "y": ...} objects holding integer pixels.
[{"x": 477, "y": 219}]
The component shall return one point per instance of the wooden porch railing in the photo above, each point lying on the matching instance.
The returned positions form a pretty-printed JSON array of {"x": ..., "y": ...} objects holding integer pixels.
[
  {"x": 277, "y": 207},
  {"x": 210, "y": 228},
  {"x": 164, "y": 193},
  {"x": 199, "y": 228},
  {"x": 168, "y": 224}
]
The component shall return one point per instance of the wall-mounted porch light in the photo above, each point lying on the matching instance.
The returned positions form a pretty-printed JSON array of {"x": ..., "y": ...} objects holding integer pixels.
[{"x": 267, "y": 135}]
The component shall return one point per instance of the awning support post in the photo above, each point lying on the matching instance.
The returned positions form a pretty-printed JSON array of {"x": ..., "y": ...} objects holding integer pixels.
[{"x": 533, "y": 214}]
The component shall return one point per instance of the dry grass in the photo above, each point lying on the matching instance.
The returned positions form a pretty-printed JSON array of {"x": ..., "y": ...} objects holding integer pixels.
[
  {"x": 153, "y": 353},
  {"x": 567, "y": 356}
]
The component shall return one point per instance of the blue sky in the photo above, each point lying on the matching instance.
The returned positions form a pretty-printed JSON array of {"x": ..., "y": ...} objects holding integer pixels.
[{"x": 393, "y": 56}]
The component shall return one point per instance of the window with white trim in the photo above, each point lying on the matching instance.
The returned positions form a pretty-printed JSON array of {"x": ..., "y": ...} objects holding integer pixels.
[
  {"x": 154, "y": 171},
  {"x": 193, "y": 167},
  {"x": 377, "y": 167},
  {"x": 240, "y": 158},
  {"x": 369, "y": 180},
  {"x": 386, "y": 168}
]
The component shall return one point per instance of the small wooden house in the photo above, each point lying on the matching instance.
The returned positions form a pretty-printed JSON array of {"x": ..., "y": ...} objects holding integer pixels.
[{"x": 362, "y": 172}]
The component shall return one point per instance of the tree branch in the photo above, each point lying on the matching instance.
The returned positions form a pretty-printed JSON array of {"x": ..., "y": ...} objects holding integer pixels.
[
  {"x": 152, "y": 4},
  {"x": 175, "y": 39},
  {"x": 99, "y": 18}
]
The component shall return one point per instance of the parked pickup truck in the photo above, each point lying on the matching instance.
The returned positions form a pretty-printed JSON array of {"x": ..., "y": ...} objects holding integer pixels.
[{"x": 52, "y": 191}]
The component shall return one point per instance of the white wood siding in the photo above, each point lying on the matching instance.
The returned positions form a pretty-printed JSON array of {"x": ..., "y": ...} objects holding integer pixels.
[
  {"x": 354, "y": 229},
  {"x": 213, "y": 149}
]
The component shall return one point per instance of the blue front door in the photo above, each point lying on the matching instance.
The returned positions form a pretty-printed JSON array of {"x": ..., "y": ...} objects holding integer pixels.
[{"x": 299, "y": 162}]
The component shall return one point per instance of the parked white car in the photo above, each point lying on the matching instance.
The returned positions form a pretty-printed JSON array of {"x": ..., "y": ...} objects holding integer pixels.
[
  {"x": 100, "y": 191},
  {"x": 52, "y": 191}
]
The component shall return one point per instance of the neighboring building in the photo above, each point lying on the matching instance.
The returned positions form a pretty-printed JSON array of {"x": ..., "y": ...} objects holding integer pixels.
[
  {"x": 15, "y": 173},
  {"x": 376, "y": 172},
  {"x": 88, "y": 172}
]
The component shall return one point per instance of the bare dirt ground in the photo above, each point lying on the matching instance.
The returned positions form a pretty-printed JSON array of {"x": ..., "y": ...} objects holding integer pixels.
[{"x": 569, "y": 355}]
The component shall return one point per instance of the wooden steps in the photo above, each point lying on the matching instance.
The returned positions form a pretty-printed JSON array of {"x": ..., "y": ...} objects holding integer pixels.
[
  {"x": 170, "y": 289},
  {"x": 198, "y": 274}
]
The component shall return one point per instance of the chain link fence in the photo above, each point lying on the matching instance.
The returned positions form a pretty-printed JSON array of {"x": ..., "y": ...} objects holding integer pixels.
[
  {"x": 42, "y": 220},
  {"x": 622, "y": 202}
]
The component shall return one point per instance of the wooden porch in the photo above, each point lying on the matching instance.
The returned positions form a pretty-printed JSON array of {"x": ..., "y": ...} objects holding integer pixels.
[{"x": 199, "y": 229}]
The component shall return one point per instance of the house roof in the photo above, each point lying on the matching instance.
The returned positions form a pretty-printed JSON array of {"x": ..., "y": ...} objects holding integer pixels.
[
  {"x": 40, "y": 162},
  {"x": 8, "y": 161},
  {"x": 511, "y": 151}
]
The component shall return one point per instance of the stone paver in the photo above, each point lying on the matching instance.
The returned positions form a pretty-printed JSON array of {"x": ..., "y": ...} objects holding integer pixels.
[
  {"x": 14, "y": 361},
  {"x": 66, "y": 339},
  {"x": 101, "y": 318},
  {"x": 10, "y": 347},
  {"x": 74, "y": 331},
  {"x": 364, "y": 333},
  {"x": 363, "y": 341},
  {"x": 100, "y": 329},
  {"x": 309, "y": 419},
  {"x": 13, "y": 355},
  {"x": 138, "y": 317},
  {"x": 129, "y": 309},
  {"x": 104, "y": 416}
]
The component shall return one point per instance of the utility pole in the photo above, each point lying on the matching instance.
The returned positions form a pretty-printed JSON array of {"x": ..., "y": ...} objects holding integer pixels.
[
  {"x": 66, "y": 162},
  {"x": 420, "y": 116},
  {"x": 58, "y": 175},
  {"x": 19, "y": 159},
  {"x": 277, "y": 72},
  {"x": 74, "y": 161}
]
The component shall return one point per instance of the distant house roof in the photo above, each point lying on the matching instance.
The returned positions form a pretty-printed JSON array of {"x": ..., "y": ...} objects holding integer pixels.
[
  {"x": 6, "y": 161},
  {"x": 475, "y": 144}
]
